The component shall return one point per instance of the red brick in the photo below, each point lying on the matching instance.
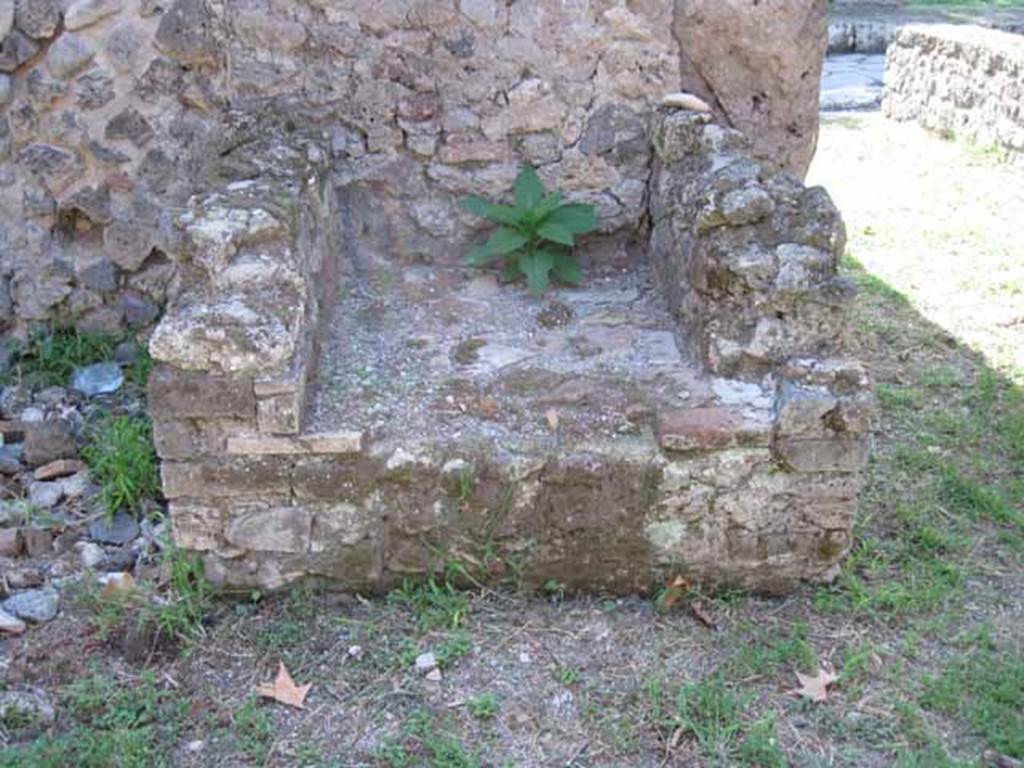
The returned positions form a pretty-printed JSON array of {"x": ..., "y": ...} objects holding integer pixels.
[{"x": 708, "y": 429}]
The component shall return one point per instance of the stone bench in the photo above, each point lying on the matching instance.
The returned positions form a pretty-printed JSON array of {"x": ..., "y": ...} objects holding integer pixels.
[{"x": 324, "y": 410}]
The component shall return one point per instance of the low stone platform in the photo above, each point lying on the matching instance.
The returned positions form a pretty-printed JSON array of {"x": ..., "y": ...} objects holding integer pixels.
[
  {"x": 964, "y": 81},
  {"x": 686, "y": 414}
]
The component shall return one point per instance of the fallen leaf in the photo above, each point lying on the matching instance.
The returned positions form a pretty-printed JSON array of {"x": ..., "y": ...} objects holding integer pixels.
[
  {"x": 815, "y": 687},
  {"x": 675, "y": 589},
  {"x": 116, "y": 585},
  {"x": 283, "y": 689}
]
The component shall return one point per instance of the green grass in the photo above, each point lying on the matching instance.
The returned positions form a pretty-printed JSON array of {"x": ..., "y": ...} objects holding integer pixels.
[
  {"x": 122, "y": 460},
  {"x": 253, "y": 732},
  {"x": 427, "y": 743},
  {"x": 984, "y": 690},
  {"x": 715, "y": 716},
  {"x": 769, "y": 650},
  {"x": 484, "y": 707},
  {"x": 435, "y": 604},
  {"x": 50, "y": 355},
  {"x": 951, "y": 472},
  {"x": 106, "y": 722},
  {"x": 177, "y": 613}
]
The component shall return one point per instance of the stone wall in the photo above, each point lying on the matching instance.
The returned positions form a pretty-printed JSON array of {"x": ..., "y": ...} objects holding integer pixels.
[
  {"x": 748, "y": 258},
  {"x": 966, "y": 81},
  {"x": 110, "y": 110}
]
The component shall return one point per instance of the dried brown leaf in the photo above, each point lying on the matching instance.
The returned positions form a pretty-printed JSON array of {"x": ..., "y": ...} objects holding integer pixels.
[
  {"x": 283, "y": 689},
  {"x": 815, "y": 687}
]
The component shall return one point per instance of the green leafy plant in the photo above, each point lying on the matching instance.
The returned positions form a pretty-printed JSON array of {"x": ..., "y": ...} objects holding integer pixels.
[
  {"x": 122, "y": 459},
  {"x": 49, "y": 356},
  {"x": 536, "y": 236}
]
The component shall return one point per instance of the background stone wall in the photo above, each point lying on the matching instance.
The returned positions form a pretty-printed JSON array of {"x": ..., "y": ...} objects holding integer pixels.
[
  {"x": 111, "y": 109},
  {"x": 964, "y": 80}
]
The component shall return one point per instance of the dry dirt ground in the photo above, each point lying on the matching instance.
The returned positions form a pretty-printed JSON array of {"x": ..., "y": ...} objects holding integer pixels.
[{"x": 924, "y": 628}]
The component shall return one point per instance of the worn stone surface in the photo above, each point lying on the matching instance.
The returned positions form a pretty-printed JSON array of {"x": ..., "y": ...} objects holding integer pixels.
[
  {"x": 759, "y": 65},
  {"x": 415, "y": 108},
  {"x": 274, "y": 187},
  {"x": 961, "y": 80}
]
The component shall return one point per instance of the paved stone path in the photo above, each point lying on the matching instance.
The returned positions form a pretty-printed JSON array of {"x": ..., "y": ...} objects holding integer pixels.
[{"x": 852, "y": 82}]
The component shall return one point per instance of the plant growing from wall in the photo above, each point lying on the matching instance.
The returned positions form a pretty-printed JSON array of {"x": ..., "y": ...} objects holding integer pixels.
[{"x": 536, "y": 236}]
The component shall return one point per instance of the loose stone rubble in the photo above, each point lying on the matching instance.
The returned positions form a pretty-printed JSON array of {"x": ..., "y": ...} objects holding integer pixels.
[
  {"x": 53, "y": 525},
  {"x": 966, "y": 81}
]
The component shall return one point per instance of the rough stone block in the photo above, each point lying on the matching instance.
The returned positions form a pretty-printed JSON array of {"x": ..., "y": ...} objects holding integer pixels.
[
  {"x": 804, "y": 412},
  {"x": 197, "y": 527},
  {"x": 836, "y": 454},
  {"x": 327, "y": 442},
  {"x": 280, "y": 414},
  {"x": 216, "y": 479},
  {"x": 177, "y": 394},
  {"x": 189, "y": 439},
  {"x": 707, "y": 429},
  {"x": 344, "y": 478},
  {"x": 267, "y": 528}
]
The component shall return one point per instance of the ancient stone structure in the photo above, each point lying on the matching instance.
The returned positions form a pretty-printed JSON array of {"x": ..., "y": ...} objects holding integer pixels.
[
  {"x": 685, "y": 412},
  {"x": 963, "y": 80},
  {"x": 110, "y": 108},
  {"x": 335, "y": 396},
  {"x": 760, "y": 65}
]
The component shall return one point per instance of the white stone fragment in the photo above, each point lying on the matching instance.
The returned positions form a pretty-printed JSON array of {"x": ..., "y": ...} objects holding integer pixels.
[{"x": 687, "y": 101}]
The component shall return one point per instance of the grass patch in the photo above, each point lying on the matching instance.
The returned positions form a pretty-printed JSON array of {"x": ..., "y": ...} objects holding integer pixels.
[
  {"x": 426, "y": 743},
  {"x": 984, "y": 690},
  {"x": 435, "y": 604},
  {"x": 965, "y": 496},
  {"x": 49, "y": 357},
  {"x": 713, "y": 715},
  {"x": 484, "y": 707},
  {"x": 122, "y": 460},
  {"x": 772, "y": 649},
  {"x": 124, "y": 723},
  {"x": 253, "y": 732},
  {"x": 177, "y": 614}
]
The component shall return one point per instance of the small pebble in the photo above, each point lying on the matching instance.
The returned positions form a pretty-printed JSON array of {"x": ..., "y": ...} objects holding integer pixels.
[
  {"x": 425, "y": 662},
  {"x": 33, "y": 415},
  {"x": 90, "y": 554},
  {"x": 684, "y": 100},
  {"x": 59, "y": 468},
  {"x": 76, "y": 486},
  {"x": 98, "y": 379}
]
